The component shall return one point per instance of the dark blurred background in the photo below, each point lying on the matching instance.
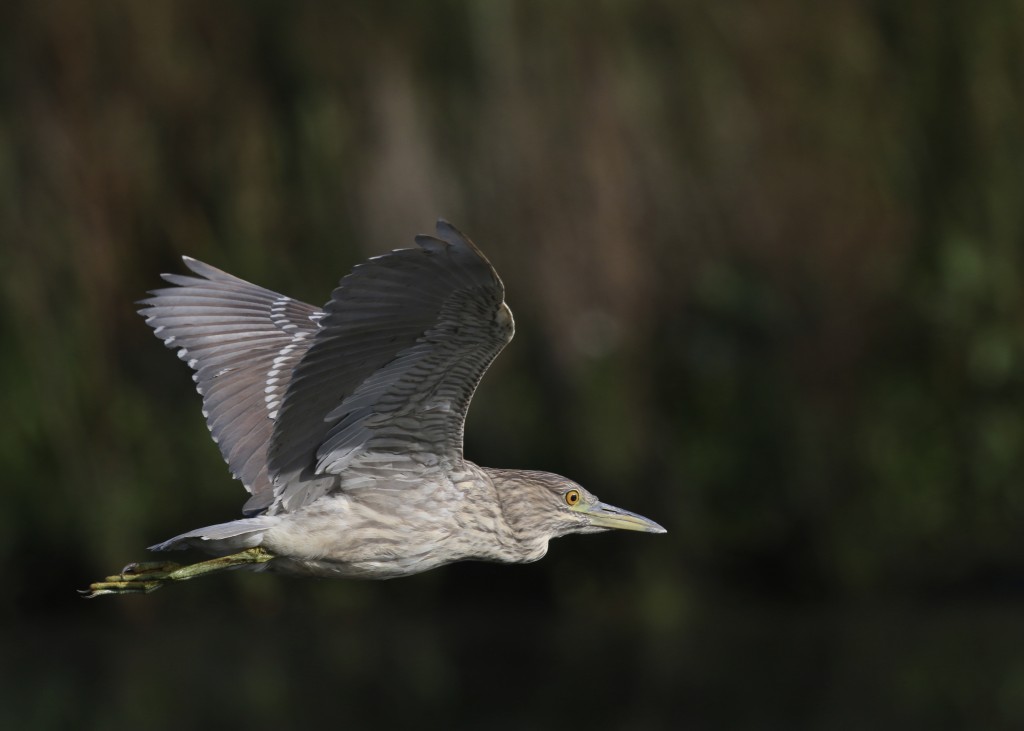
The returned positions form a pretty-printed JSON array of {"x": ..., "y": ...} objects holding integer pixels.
[{"x": 767, "y": 268}]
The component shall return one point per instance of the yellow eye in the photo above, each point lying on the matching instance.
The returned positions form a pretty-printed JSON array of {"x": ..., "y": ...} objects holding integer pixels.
[{"x": 572, "y": 497}]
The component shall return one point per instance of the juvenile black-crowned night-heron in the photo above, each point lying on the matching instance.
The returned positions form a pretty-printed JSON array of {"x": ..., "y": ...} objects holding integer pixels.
[{"x": 345, "y": 424}]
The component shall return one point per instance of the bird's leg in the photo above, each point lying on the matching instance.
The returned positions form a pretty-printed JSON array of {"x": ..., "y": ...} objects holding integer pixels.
[{"x": 142, "y": 578}]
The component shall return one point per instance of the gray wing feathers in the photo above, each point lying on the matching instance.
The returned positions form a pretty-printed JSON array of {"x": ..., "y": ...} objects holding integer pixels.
[
  {"x": 243, "y": 342},
  {"x": 403, "y": 344}
]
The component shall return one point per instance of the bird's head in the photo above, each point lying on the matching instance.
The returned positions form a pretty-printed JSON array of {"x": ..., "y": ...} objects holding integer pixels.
[{"x": 549, "y": 505}]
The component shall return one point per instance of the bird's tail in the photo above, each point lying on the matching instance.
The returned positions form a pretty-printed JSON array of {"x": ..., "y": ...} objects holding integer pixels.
[{"x": 222, "y": 538}]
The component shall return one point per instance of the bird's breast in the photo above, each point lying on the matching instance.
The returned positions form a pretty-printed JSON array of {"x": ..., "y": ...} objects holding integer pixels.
[{"x": 390, "y": 532}]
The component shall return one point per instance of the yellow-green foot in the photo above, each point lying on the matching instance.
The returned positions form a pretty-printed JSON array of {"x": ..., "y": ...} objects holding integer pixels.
[
  {"x": 142, "y": 578},
  {"x": 135, "y": 578}
]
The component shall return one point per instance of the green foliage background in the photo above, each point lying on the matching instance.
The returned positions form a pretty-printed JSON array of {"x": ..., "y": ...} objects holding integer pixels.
[{"x": 767, "y": 267}]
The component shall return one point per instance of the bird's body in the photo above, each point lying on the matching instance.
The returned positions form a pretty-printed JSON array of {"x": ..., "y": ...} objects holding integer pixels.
[
  {"x": 345, "y": 424},
  {"x": 459, "y": 517}
]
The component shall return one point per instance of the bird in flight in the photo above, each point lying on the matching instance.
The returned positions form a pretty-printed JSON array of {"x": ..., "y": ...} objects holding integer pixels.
[{"x": 345, "y": 423}]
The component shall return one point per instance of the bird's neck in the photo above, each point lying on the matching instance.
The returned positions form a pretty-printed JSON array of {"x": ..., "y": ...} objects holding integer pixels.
[{"x": 522, "y": 534}]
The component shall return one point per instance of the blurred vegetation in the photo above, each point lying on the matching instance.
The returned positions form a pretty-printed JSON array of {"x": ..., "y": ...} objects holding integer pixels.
[{"x": 767, "y": 265}]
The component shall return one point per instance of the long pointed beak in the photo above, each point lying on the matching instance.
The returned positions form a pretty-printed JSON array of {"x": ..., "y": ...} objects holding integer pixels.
[{"x": 603, "y": 515}]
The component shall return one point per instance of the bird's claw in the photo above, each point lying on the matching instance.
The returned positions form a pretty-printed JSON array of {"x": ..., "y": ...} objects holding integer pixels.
[
  {"x": 139, "y": 568},
  {"x": 144, "y": 577},
  {"x": 135, "y": 578}
]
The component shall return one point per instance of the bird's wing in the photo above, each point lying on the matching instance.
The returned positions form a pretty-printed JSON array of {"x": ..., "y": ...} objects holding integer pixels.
[
  {"x": 243, "y": 342},
  {"x": 404, "y": 342}
]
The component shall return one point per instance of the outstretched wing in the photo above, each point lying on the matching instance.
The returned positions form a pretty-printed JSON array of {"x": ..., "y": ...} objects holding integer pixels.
[
  {"x": 243, "y": 342},
  {"x": 404, "y": 342}
]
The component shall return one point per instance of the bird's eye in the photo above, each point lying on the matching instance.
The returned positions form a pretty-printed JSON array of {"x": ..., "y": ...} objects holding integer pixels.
[{"x": 572, "y": 497}]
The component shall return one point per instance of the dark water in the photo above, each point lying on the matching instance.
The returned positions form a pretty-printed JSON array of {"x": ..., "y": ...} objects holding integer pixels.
[{"x": 497, "y": 647}]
